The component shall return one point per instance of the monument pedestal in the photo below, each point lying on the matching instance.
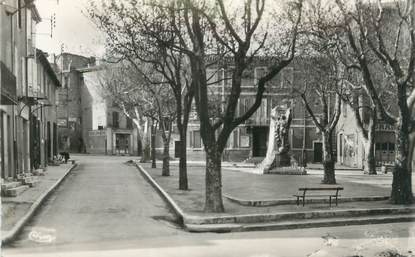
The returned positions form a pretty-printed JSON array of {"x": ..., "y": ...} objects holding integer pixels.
[
  {"x": 282, "y": 160},
  {"x": 278, "y": 158},
  {"x": 282, "y": 166}
]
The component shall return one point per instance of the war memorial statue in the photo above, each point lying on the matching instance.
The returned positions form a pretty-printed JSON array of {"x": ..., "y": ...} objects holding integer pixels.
[{"x": 278, "y": 158}]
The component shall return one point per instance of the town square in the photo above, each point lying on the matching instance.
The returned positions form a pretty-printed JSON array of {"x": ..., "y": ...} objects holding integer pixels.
[{"x": 207, "y": 128}]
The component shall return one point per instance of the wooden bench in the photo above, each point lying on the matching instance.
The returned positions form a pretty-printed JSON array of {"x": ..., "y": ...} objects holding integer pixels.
[{"x": 334, "y": 190}]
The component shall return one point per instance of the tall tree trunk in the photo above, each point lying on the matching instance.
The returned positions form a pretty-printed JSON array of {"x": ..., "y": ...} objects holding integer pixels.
[
  {"x": 145, "y": 156},
  {"x": 328, "y": 159},
  {"x": 183, "y": 182},
  {"x": 213, "y": 201},
  {"x": 370, "y": 161},
  {"x": 412, "y": 150},
  {"x": 183, "y": 112},
  {"x": 143, "y": 135},
  {"x": 166, "y": 158},
  {"x": 153, "y": 146},
  {"x": 370, "y": 165},
  {"x": 402, "y": 180},
  {"x": 145, "y": 150}
]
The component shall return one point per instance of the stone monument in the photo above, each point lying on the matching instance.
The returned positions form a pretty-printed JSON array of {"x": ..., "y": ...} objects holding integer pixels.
[{"x": 278, "y": 158}]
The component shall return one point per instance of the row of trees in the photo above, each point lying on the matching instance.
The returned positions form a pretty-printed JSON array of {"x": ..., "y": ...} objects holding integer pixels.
[{"x": 166, "y": 48}]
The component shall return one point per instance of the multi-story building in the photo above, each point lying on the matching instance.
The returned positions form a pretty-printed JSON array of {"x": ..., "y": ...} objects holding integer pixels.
[
  {"x": 43, "y": 86},
  {"x": 105, "y": 128},
  {"x": 351, "y": 150},
  {"x": 87, "y": 122},
  {"x": 249, "y": 140},
  {"x": 69, "y": 101},
  {"x": 17, "y": 31}
]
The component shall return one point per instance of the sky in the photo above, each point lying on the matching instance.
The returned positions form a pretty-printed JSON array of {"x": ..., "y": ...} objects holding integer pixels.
[{"x": 73, "y": 29}]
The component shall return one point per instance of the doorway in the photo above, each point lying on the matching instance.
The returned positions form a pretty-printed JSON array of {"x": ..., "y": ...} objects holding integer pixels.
[
  {"x": 122, "y": 143},
  {"x": 48, "y": 142},
  {"x": 259, "y": 141},
  {"x": 318, "y": 151}
]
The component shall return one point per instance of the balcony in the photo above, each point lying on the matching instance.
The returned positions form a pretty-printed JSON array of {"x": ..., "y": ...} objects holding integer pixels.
[{"x": 8, "y": 86}]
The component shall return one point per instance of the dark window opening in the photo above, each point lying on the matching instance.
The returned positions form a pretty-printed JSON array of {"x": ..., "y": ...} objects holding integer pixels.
[
  {"x": 115, "y": 120},
  {"x": 129, "y": 123}
]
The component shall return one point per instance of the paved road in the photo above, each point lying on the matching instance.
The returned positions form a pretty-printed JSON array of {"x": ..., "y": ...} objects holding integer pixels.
[
  {"x": 102, "y": 200},
  {"x": 105, "y": 208},
  {"x": 364, "y": 241}
]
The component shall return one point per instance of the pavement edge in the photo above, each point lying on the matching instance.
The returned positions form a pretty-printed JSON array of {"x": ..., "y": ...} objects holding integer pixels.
[
  {"x": 272, "y": 202},
  {"x": 11, "y": 234},
  {"x": 230, "y": 223},
  {"x": 177, "y": 210}
]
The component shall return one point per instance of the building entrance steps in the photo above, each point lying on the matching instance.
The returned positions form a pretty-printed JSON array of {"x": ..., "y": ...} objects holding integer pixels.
[{"x": 15, "y": 191}]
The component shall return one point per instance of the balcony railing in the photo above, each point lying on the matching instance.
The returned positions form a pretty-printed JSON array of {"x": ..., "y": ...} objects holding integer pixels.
[{"x": 8, "y": 86}]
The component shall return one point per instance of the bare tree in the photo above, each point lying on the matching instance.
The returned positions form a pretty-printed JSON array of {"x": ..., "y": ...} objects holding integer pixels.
[
  {"x": 198, "y": 30},
  {"x": 242, "y": 43},
  {"x": 324, "y": 75},
  {"x": 140, "y": 34},
  {"x": 146, "y": 103},
  {"x": 324, "y": 85},
  {"x": 123, "y": 94},
  {"x": 393, "y": 46}
]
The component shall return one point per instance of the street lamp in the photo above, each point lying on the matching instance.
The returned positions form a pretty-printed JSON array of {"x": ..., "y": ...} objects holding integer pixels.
[
  {"x": 41, "y": 105},
  {"x": 30, "y": 101}
]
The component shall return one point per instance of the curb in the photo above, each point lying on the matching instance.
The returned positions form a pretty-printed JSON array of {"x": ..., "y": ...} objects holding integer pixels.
[
  {"x": 272, "y": 202},
  {"x": 287, "y": 220},
  {"x": 11, "y": 234},
  {"x": 296, "y": 224},
  {"x": 177, "y": 210},
  {"x": 342, "y": 168},
  {"x": 299, "y": 216}
]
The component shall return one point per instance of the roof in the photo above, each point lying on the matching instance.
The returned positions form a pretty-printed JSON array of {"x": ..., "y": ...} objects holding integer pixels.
[{"x": 41, "y": 56}]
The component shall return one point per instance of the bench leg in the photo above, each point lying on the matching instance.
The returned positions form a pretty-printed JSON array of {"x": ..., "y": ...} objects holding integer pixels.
[
  {"x": 336, "y": 200},
  {"x": 298, "y": 200},
  {"x": 303, "y": 201},
  {"x": 330, "y": 201}
]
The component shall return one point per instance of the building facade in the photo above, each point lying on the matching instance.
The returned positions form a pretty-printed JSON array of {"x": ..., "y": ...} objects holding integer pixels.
[
  {"x": 105, "y": 128},
  {"x": 249, "y": 141},
  {"x": 43, "y": 87},
  {"x": 17, "y": 31},
  {"x": 87, "y": 121},
  {"x": 69, "y": 101}
]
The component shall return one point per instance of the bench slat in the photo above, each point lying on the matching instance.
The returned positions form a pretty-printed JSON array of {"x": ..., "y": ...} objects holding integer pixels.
[
  {"x": 319, "y": 188},
  {"x": 316, "y": 195},
  {"x": 304, "y": 194}
]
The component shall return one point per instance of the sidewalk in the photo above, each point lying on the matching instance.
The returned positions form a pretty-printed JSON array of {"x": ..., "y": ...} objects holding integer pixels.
[
  {"x": 357, "y": 200},
  {"x": 16, "y": 211}
]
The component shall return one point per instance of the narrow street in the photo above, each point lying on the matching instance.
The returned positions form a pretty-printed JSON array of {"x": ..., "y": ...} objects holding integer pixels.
[{"x": 103, "y": 199}]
